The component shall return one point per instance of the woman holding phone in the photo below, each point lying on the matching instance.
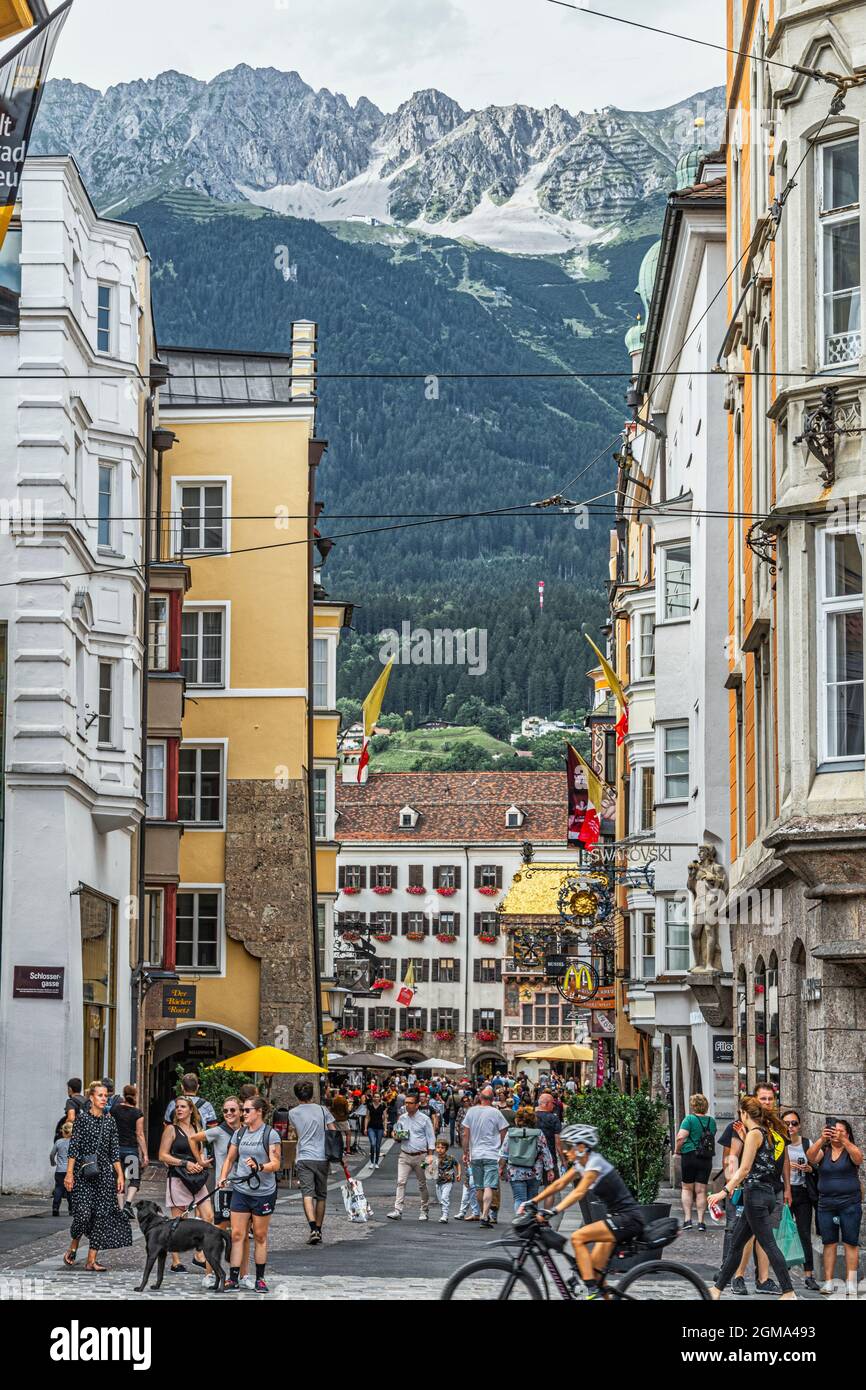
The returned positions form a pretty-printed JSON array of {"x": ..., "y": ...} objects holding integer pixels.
[
  {"x": 840, "y": 1203},
  {"x": 755, "y": 1175}
]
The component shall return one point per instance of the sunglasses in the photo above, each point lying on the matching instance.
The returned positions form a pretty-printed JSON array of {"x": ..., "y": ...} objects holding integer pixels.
[
  {"x": 230, "y": 1110},
  {"x": 248, "y": 1109},
  {"x": 792, "y": 1124}
]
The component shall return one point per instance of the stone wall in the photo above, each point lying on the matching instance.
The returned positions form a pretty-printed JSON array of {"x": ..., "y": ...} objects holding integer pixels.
[{"x": 268, "y": 903}]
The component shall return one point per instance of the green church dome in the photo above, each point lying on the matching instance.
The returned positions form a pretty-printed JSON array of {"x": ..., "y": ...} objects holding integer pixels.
[{"x": 688, "y": 165}]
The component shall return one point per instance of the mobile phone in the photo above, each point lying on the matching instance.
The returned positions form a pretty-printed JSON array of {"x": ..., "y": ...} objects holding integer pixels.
[{"x": 830, "y": 1121}]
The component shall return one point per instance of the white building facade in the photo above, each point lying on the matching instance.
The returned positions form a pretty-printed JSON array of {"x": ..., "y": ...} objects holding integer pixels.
[
  {"x": 425, "y": 860},
  {"x": 677, "y": 564},
  {"x": 75, "y": 335}
]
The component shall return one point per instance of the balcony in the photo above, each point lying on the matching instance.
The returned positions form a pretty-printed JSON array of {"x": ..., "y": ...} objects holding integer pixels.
[{"x": 535, "y": 1034}]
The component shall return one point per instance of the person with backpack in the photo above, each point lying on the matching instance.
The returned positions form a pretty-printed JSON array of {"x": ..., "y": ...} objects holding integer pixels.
[
  {"x": 253, "y": 1159},
  {"x": 218, "y": 1137},
  {"x": 319, "y": 1142},
  {"x": 75, "y": 1102},
  {"x": 696, "y": 1145},
  {"x": 526, "y": 1159}
]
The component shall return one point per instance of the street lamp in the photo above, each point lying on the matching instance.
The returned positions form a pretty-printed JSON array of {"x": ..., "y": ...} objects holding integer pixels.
[{"x": 334, "y": 1001}]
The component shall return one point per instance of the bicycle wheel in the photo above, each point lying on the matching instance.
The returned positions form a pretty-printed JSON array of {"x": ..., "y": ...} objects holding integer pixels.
[
  {"x": 662, "y": 1281},
  {"x": 490, "y": 1281}
]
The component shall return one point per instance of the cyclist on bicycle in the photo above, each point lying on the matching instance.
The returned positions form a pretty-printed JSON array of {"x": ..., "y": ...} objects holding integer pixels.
[{"x": 589, "y": 1169}]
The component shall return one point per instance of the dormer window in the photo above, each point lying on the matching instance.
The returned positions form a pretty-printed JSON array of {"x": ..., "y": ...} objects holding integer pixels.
[
  {"x": 408, "y": 818},
  {"x": 514, "y": 818}
]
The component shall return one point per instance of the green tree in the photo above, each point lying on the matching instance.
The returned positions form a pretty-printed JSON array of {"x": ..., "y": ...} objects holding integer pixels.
[
  {"x": 409, "y": 721},
  {"x": 631, "y": 1134},
  {"x": 350, "y": 712},
  {"x": 215, "y": 1084}
]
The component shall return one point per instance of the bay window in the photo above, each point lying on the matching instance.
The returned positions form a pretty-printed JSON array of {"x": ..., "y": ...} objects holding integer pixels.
[
  {"x": 840, "y": 645},
  {"x": 839, "y": 252},
  {"x": 675, "y": 761},
  {"x": 676, "y": 937},
  {"x": 155, "y": 781},
  {"x": 157, "y": 632},
  {"x": 677, "y": 586}
]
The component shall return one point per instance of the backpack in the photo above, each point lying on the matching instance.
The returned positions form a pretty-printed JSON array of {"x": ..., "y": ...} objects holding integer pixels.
[
  {"x": 79, "y": 1106},
  {"x": 266, "y": 1141},
  {"x": 706, "y": 1145},
  {"x": 522, "y": 1147}
]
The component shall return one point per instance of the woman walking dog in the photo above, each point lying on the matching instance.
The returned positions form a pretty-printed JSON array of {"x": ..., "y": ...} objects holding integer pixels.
[
  {"x": 255, "y": 1156},
  {"x": 94, "y": 1179},
  {"x": 186, "y": 1184}
]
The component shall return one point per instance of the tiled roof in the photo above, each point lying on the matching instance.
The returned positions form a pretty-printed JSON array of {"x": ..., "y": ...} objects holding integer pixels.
[{"x": 464, "y": 807}]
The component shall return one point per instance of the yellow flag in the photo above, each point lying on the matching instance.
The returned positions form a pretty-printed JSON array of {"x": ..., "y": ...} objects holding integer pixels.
[
  {"x": 409, "y": 977},
  {"x": 610, "y": 676},
  {"x": 593, "y": 782},
  {"x": 372, "y": 706}
]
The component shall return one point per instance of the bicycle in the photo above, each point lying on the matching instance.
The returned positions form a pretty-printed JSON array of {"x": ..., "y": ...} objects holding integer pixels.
[{"x": 497, "y": 1278}]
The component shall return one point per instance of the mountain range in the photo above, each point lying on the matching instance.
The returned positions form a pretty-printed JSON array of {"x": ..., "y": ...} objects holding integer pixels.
[{"x": 431, "y": 240}]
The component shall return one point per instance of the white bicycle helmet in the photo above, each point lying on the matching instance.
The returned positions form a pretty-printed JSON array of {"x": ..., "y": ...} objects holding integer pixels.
[{"x": 573, "y": 1135}]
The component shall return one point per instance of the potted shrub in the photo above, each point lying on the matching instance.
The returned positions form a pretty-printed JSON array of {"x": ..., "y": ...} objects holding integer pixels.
[{"x": 631, "y": 1134}]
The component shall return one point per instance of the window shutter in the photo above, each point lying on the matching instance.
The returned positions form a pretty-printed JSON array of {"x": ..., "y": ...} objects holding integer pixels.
[
  {"x": 435, "y": 875},
  {"x": 498, "y": 971},
  {"x": 393, "y": 869},
  {"x": 363, "y": 876},
  {"x": 423, "y": 1020},
  {"x": 498, "y": 875},
  {"x": 435, "y": 972},
  {"x": 404, "y": 923},
  {"x": 455, "y": 1014},
  {"x": 391, "y": 1014},
  {"x": 456, "y": 972},
  {"x": 416, "y": 875},
  {"x": 402, "y": 1019},
  {"x": 476, "y": 971},
  {"x": 456, "y": 923},
  {"x": 426, "y": 925},
  {"x": 434, "y": 1020},
  {"x": 457, "y": 873},
  {"x": 476, "y": 1020},
  {"x": 476, "y": 923},
  {"x": 477, "y": 876},
  {"x": 497, "y": 1020},
  {"x": 341, "y": 876}
]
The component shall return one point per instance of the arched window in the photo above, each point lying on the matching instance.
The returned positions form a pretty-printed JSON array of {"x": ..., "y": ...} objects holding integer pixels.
[
  {"x": 742, "y": 1033},
  {"x": 760, "y": 1018},
  {"x": 772, "y": 1014}
]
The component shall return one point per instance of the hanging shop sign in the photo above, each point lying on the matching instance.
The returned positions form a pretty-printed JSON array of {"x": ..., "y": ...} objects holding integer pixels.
[
  {"x": 602, "y": 1023},
  {"x": 178, "y": 1001},
  {"x": 555, "y": 966},
  {"x": 723, "y": 1049},
  {"x": 579, "y": 984},
  {"x": 604, "y": 998}
]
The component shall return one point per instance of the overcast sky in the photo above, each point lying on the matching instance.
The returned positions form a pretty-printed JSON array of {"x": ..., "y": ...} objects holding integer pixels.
[{"x": 478, "y": 51}]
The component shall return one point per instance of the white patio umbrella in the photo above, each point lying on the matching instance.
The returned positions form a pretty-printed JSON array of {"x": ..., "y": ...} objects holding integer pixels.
[{"x": 438, "y": 1064}]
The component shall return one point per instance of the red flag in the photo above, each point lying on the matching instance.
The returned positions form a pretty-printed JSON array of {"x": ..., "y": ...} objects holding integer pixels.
[
  {"x": 621, "y": 725},
  {"x": 364, "y": 758},
  {"x": 584, "y": 801},
  {"x": 405, "y": 996},
  {"x": 591, "y": 828}
]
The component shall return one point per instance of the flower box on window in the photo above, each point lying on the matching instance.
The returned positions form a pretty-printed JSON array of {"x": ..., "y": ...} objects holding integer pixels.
[
  {"x": 446, "y": 937},
  {"x": 445, "y": 1035},
  {"x": 350, "y": 935},
  {"x": 380, "y": 1033},
  {"x": 488, "y": 890},
  {"x": 382, "y": 888},
  {"x": 383, "y": 984},
  {"x": 411, "y": 1034},
  {"x": 414, "y": 936},
  {"x": 486, "y": 1035},
  {"x": 349, "y": 891},
  {"x": 382, "y": 936},
  {"x": 487, "y": 938},
  {"x": 348, "y": 1032},
  {"x": 446, "y": 892},
  {"x": 416, "y": 889}
]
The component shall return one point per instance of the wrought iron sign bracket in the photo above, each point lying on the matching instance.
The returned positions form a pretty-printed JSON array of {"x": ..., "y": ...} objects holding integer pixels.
[
  {"x": 762, "y": 544},
  {"x": 822, "y": 427}
]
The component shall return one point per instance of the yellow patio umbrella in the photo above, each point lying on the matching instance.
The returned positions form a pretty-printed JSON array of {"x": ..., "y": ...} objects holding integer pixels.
[
  {"x": 561, "y": 1052},
  {"x": 269, "y": 1061}
]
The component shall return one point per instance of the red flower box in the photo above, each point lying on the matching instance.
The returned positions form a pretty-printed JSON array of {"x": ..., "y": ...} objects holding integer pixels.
[
  {"x": 416, "y": 889},
  {"x": 381, "y": 890},
  {"x": 382, "y": 936},
  {"x": 414, "y": 936},
  {"x": 486, "y": 1035},
  {"x": 488, "y": 939},
  {"x": 445, "y": 1035},
  {"x": 350, "y": 935},
  {"x": 446, "y": 892},
  {"x": 446, "y": 937},
  {"x": 380, "y": 1033},
  {"x": 411, "y": 1034},
  {"x": 488, "y": 891},
  {"x": 350, "y": 891},
  {"x": 383, "y": 984},
  {"x": 348, "y": 1032}
]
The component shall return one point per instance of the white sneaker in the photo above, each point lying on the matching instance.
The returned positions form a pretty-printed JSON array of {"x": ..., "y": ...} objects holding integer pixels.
[
  {"x": 248, "y": 1282},
  {"x": 442, "y": 1218},
  {"x": 829, "y": 1287},
  {"x": 395, "y": 1215},
  {"x": 422, "y": 1216},
  {"x": 208, "y": 1281}
]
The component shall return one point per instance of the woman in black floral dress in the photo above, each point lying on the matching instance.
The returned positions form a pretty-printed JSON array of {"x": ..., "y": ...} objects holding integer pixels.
[{"x": 95, "y": 1210}]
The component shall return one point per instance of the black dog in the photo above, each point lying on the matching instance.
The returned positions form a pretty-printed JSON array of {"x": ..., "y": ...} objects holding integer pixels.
[{"x": 164, "y": 1234}]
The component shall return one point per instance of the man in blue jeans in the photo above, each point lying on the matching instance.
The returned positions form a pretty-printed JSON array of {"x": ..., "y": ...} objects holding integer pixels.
[{"x": 481, "y": 1132}]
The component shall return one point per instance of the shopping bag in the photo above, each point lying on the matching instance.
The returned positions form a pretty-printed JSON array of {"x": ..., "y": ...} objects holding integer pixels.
[
  {"x": 788, "y": 1239},
  {"x": 356, "y": 1204}
]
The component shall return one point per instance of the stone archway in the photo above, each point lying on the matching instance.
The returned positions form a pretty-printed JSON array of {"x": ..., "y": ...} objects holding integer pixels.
[{"x": 191, "y": 1046}]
